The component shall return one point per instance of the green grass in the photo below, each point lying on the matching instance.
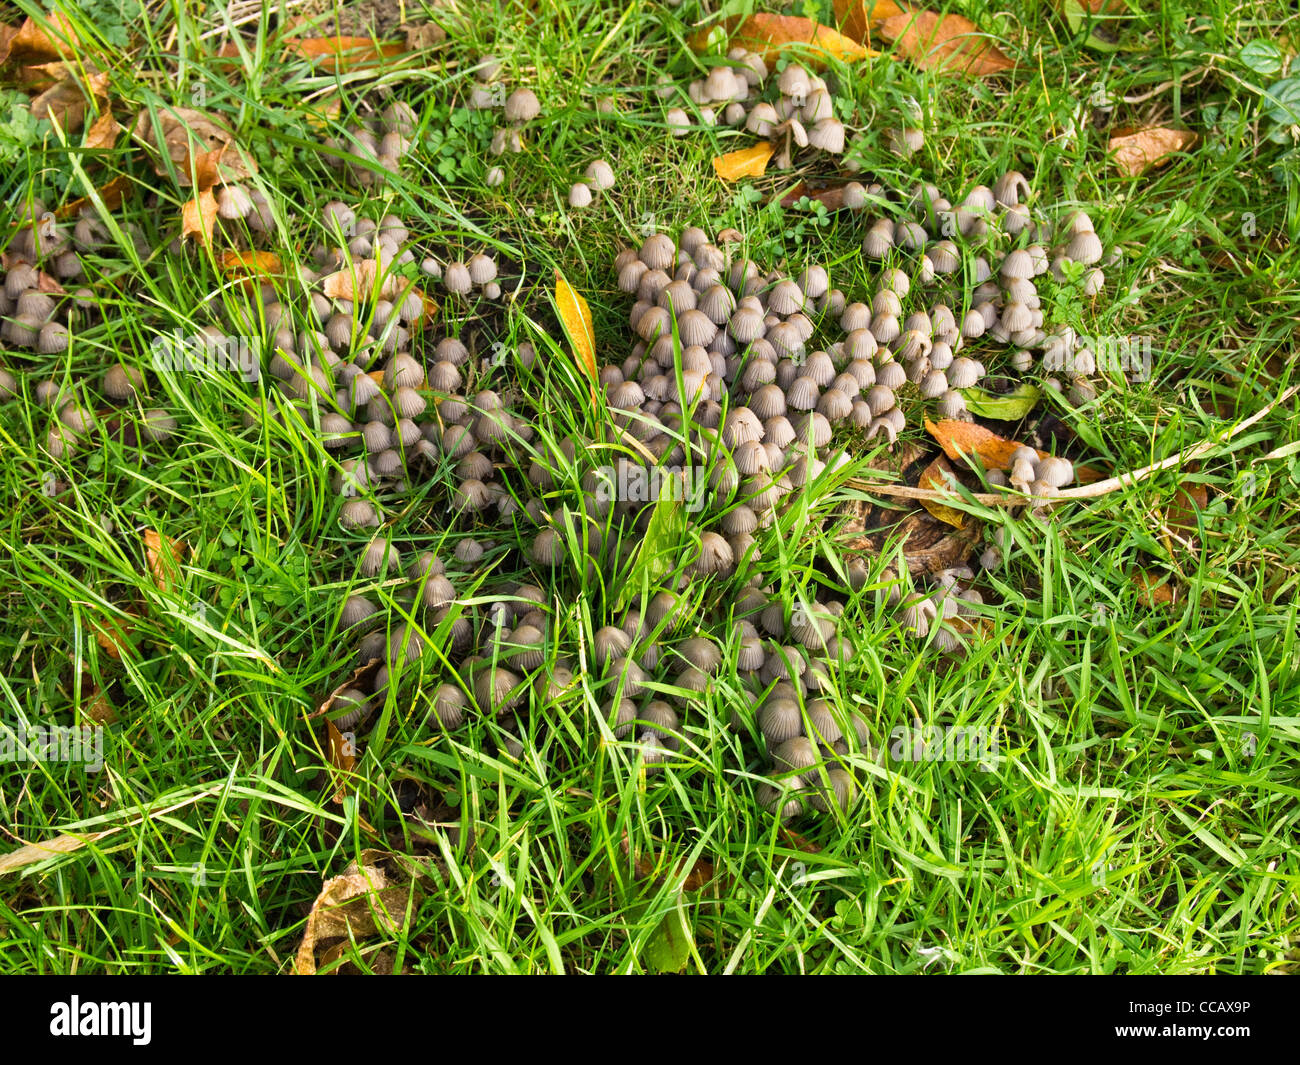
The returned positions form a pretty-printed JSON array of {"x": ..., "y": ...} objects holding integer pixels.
[{"x": 1142, "y": 815}]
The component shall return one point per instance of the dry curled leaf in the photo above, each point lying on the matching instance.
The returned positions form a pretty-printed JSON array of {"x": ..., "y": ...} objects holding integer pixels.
[
  {"x": 575, "y": 316},
  {"x": 163, "y": 556},
  {"x": 358, "y": 679},
  {"x": 944, "y": 42},
  {"x": 199, "y": 215},
  {"x": 112, "y": 634},
  {"x": 770, "y": 35},
  {"x": 201, "y": 149},
  {"x": 960, "y": 440},
  {"x": 102, "y": 133},
  {"x": 745, "y": 163},
  {"x": 111, "y": 194},
  {"x": 857, "y": 18},
  {"x": 370, "y": 897},
  {"x": 1136, "y": 150},
  {"x": 32, "y": 853},
  {"x": 1153, "y": 590},
  {"x": 940, "y": 475},
  {"x": 51, "y": 38},
  {"x": 66, "y": 102}
]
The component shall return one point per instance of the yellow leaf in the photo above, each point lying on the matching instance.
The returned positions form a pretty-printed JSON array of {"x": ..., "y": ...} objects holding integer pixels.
[
  {"x": 575, "y": 316},
  {"x": 857, "y": 18},
  {"x": 250, "y": 263},
  {"x": 939, "y": 475},
  {"x": 770, "y": 35},
  {"x": 163, "y": 555},
  {"x": 748, "y": 162}
]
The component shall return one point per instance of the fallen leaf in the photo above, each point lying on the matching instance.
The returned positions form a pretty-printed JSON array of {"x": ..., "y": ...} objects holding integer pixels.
[
  {"x": 1136, "y": 150},
  {"x": 112, "y": 635},
  {"x": 199, "y": 215},
  {"x": 960, "y": 440},
  {"x": 747, "y": 162},
  {"x": 831, "y": 197},
  {"x": 1153, "y": 590},
  {"x": 98, "y": 708},
  {"x": 342, "y": 757},
  {"x": 939, "y": 475},
  {"x": 163, "y": 556},
  {"x": 345, "y": 53},
  {"x": 32, "y": 41},
  {"x": 857, "y": 18},
  {"x": 1009, "y": 407},
  {"x": 49, "y": 848},
  {"x": 357, "y": 281},
  {"x": 944, "y": 42},
  {"x": 103, "y": 132},
  {"x": 111, "y": 194},
  {"x": 66, "y": 101},
  {"x": 770, "y": 35},
  {"x": 575, "y": 316},
  {"x": 245, "y": 264},
  {"x": 201, "y": 148},
  {"x": 371, "y": 896}
]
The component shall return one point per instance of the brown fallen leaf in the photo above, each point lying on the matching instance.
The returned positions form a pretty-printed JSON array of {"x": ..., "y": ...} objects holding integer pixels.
[
  {"x": 575, "y": 316},
  {"x": 857, "y": 18},
  {"x": 770, "y": 35},
  {"x": 1154, "y": 590},
  {"x": 950, "y": 43},
  {"x": 98, "y": 708},
  {"x": 938, "y": 475},
  {"x": 342, "y": 758},
  {"x": 747, "y": 162},
  {"x": 51, "y": 38},
  {"x": 163, "y": 555},
  {"x": 112, "y": 634},
  {"x": 103, "y": 132},
  {"x": 66, "y": 101},
  {"x": 111, "y": 194},
  {"x": 370, "y": 897},
  {"x": 831, "y": 197},
  {"x": 201, "y": 148},
  {"x": 32, "y": 853},
  {"x": 199, "y": 215},
  {"x": 345, "y": 53},
  {"x": 361, "y": 279},
  {"x": 1136, "y": 150}
]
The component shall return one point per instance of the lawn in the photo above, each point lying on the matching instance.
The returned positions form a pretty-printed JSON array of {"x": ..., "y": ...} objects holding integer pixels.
[{"x": 1092, "y": 768}]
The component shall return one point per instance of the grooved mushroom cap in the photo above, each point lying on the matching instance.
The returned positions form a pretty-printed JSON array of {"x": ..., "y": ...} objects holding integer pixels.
[
  {"x": 795, "y": 755},
  {"x": 449, "y": 704},
  {"x": 828, "y": 135},
  {"x": 580, "y": 195},
  {"x": 482, "y": 269},
  {"x": 715, "y": 555},
  {"x": 1084, "y": 247},
  {"x": 620, "y": 715},
  {"x": 522, "y": 105},
  {"x": 610, "y": 642},
  {"x": 358, "y": 514},
  {"x": 600, "y": 175},
  {"x": 1055, "y": 472},
  {"x": 456, "y": 279},
  {"x": 786, "y": 298}
]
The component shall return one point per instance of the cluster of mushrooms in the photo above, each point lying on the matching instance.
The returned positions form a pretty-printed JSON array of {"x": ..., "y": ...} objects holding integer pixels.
[
  {"x": 372, "y": 150},
  {"x": 801, "y": 114}
]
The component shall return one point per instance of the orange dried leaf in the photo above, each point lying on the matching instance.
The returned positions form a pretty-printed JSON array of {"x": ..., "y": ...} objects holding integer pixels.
[
  {"x": 770, "y": 35},
  {"x": 342, "y": 756},
  {"x": 199, "y": 215},
  {"x": 112, "y": 635},
  {"x": 747, "y": 162},
  {"x": 944, "y": 42},
  {"x": 250, "y": 263},
  {"x": 163, "y": 556},
  {"x": 960, "y": 440},
  {"x": 938, "y": 476},
  {"x": 111, "y": 194},
  {"x": 575, "y": 316},
  {"x": 345, "y": 53},
  {"x": 857, "y": 18},
  {"x": 196, "y": 144},
  {"x": 1136, "y": 150},
  {"x": 103, "y": 132}
]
